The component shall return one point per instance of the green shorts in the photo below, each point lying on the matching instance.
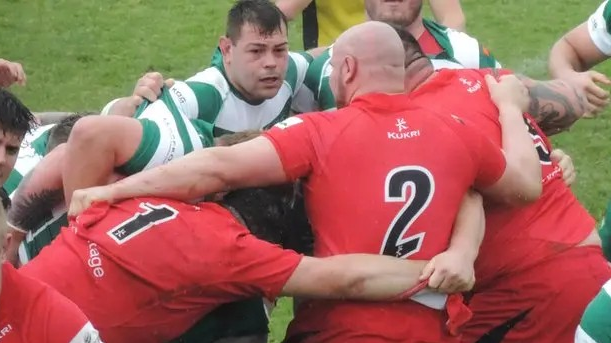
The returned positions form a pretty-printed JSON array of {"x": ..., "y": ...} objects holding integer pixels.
[{"x": 243, "y": 318}]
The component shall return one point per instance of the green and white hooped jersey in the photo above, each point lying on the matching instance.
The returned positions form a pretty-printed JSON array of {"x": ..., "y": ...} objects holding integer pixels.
[
  {"x": 190, "y": 114},
  {"x": 599, "y": 27},
  {"x": 595, "y": 326},
  {"x": 460, "y": 51}
]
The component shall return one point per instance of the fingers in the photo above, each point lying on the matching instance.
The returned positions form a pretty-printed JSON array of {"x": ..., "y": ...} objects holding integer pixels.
[
  {"x": 490, "y": 80},
  {"x": 599, "y": 77},
  {"x": 565, "y": 162},
  {"x": 428, "y": 270},
  {"x": 149, "y": 86}
]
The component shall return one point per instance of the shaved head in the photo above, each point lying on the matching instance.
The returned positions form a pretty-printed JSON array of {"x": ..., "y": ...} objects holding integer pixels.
[{"x": 367, "y": 58}]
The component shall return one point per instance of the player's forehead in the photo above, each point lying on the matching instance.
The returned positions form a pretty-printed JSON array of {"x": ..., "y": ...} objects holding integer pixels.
[
  {"x": 10, "y": 138},
  {"x": 253, "y": 35}
]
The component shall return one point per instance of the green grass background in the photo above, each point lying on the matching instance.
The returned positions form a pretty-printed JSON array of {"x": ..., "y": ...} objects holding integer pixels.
[{"x": 80, "y": 54}]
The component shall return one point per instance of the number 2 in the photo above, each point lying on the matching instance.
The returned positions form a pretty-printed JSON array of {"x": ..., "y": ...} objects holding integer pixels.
[{"x": 422, "y": 185}]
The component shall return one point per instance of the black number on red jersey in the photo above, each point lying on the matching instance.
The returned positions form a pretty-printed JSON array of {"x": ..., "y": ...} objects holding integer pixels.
[
  {"x": 542, "y": 150},
  {"x": 422, "y": 187},
  {"x": 140, "y": 222}
]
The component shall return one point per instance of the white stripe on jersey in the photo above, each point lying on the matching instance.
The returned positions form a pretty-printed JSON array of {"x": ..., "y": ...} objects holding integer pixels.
[
  {"x": 466, "y": 48},
  {"x": 88, "y": 334},
  {"x": 607, "y": 287},
  {"x": 582, "y": 337}
]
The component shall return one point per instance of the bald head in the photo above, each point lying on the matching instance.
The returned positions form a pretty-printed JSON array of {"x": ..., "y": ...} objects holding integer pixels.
[
  {"x": 372, "y": 42},
  {"x": 367, "y": 58}
]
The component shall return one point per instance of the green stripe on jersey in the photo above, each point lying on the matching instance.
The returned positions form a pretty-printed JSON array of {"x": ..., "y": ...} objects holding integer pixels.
[
  {"x": 209, "y": 100},
  {"x": 607, "y": 16},
  {"x": 596, "y": 321}
]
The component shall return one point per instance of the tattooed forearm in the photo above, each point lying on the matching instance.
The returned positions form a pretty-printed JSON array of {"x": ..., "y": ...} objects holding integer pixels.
[
  {"x": 30, "y": 211},
  {"x": 555, "y": 104}
]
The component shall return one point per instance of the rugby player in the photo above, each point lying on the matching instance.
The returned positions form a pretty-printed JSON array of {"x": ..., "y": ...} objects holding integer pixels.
[
  {"x": 532, "y": 258},
  {"x": 359, "y": 164},
  {"x": 447, "y": 48},
  {"x": 250, "y": 87},
  {"x": 31, "y": 311},
  {"x": 36, "y": 233}
]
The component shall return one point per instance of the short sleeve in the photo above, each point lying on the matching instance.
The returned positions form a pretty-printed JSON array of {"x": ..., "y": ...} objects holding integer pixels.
[
  {"x": 598, "y": 28},
  {"x": 259, "y": 268},
  {"x": 298, "y": 142}
]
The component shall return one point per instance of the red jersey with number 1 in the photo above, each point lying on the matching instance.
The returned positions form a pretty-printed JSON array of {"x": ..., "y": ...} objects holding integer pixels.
[
  {"x": 516, "y": 237},
  {"x": 146, "y": 269},
  {"x": 381, "y": 177}
]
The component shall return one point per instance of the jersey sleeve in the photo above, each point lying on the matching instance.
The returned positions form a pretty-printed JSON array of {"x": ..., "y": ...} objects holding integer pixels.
[
  {"x": 63, "y": 321},
  {"x": 259, "y": 267},
  {"x": 299, "y": 143},
  {"x": 598, "y": 28},
  {"x": 469, "y": 52}
]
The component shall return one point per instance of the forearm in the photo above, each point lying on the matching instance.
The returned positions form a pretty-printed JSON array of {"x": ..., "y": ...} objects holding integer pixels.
[
  {"x": 564, "y": 59},
  {"x": 448, "y": 13},
  {"x": 292, "y": 8},
  {"x": 358, "y": 277},
  {"x": 469, "y": 226},
  {"x": 555, "y": 104},
  {"x": 186, "y": 178}
]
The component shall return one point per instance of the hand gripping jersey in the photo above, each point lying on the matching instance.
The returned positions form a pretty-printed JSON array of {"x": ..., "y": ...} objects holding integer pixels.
[
  {"x": 599, "y": 27},
  {"x": 157, "y": 266},
  {"x": 447, "y": 48},
  {"x": 32, "y": 312},
  {"x": 382, "y": 177}
]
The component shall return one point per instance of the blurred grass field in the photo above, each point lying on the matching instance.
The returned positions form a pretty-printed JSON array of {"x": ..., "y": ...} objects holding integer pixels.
[{"x": 78, "y": 55}]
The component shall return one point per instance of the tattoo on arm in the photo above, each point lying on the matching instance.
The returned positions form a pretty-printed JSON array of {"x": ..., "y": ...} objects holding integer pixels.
[
  {"x": 555, "y": 104},
  {"x": 30, "y": 211}
]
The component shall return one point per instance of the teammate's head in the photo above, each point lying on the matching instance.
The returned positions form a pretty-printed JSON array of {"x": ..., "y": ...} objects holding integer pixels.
[
  {"x": 255, "y": 48},
  {"x": 363, "y": 63},
  {"x": 59, "y": 133},
  {"x": 15, "y": 121},
  {"x": 401, "y": 12},
  {"x": 416, "y": 61},
  {"x": 273, "y": 213}
]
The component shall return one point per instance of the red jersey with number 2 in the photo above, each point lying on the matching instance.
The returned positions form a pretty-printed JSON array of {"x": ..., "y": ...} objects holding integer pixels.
[
  {"x": 381, "y": 177},
  {"x": 515, "y": 237}
]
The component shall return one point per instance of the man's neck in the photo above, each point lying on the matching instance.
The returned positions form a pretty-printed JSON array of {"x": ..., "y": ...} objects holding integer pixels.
[
  {"x": 418, "y": 74},
  {"x": 416, "y": 28}
]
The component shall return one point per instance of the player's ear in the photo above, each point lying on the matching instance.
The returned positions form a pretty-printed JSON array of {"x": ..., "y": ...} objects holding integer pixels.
[
  {"x": 350, "y": 69},
  {"x": 225, "y": 47}
]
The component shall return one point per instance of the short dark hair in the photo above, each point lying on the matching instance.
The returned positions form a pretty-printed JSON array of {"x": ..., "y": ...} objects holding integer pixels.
[
  {"x": 272, "y": 214},
  {"x": 59, "y": 133},
  {"x": 263, "y": 14},
  {"x": 413, "y": 51},
  {"x": 15, "y": 117}
]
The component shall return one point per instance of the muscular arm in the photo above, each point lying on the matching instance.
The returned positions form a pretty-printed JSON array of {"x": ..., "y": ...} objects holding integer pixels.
[
  {"x": 207, "y": 171},
  {"x": 292, "y": 8},
  {"x": 355, "y": 276},
  {"x": 575, "y": 51},
  {"x": 555, "y": 104},
  {"x": 448, "y": 13}
]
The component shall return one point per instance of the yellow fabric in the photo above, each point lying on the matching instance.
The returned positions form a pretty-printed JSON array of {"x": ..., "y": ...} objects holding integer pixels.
[{"x": 336, "y": 16}]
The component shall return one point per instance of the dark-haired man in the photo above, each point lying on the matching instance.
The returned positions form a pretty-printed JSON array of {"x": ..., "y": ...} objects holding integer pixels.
[
  {"x": 250, "y": 87},
  {"x": 35, "y": 145}
]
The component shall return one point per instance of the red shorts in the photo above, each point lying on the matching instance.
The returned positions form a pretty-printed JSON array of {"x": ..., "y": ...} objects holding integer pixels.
[{"x": 541, "y": 304}]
